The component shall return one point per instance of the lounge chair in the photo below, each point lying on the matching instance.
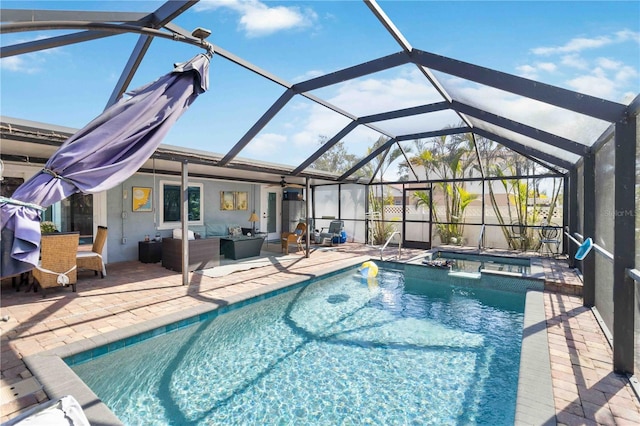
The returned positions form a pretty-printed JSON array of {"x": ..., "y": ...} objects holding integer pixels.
[
  {"x": 62, "y": 411},
  {"x": 333, "y": 233},
  {"x": 93, "y": 259},
  {"x": 57, "y": 266},
  {"x": 296, "y": 237}
]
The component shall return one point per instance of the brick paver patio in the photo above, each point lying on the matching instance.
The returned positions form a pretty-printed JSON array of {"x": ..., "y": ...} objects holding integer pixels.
[{"x": 586, "y": 391}]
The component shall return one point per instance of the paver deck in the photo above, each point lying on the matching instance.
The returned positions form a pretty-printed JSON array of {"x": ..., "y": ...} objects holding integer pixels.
[{"x": 586, "y": 391}]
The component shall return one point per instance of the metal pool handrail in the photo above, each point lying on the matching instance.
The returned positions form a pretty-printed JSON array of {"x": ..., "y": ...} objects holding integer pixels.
[
  {"x": 597, "y": 248},
  {"x": 480, "y": 238},
  {"x": 387, "y": 243},
  {"x": 634, "y": 274}
]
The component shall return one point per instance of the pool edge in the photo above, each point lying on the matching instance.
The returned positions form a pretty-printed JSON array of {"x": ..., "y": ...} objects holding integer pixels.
[
  {"x": 58, "y": 379},
  {"x": 534, "y": 403}
]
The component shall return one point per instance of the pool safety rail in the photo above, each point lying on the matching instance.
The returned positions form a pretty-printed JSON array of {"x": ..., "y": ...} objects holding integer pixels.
[
  {"x": 480, "y": 238},
  {"x": 389, "y": 240}
]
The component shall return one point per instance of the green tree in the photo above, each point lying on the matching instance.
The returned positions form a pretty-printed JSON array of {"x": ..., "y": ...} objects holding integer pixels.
[
  {"x": 381, "y": 162},
  {"x": 523, "y": 198},
  {"x": 445, "y": 159},
  {"x": 335, "y": 159}
]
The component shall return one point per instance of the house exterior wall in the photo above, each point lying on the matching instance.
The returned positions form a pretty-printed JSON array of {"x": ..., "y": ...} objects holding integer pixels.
[{"x": 127, "y": 228}]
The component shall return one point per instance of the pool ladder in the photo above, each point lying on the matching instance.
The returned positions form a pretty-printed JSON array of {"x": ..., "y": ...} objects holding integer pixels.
[
  {"x": 481, "y": 238},
  {"x": 387, "y": 243}
]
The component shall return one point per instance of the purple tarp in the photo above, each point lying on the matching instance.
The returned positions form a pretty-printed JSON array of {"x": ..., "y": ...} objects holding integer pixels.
[{"x": 100, "y": 156}]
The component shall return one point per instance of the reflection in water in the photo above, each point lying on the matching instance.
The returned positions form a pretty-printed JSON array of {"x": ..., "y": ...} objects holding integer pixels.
[{"x": 340, "y": 350}]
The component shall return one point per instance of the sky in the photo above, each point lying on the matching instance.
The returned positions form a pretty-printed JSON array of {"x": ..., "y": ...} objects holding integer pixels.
[{"x": 586, "y": 46}]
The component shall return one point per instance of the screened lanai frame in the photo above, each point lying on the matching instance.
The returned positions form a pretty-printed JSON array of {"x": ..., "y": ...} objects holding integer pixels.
[{"x": 563, "y": 155}]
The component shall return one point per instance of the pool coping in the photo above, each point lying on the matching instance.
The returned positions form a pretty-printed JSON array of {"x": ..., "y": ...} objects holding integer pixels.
[
  {"x": 58, "y": 379},
  {"x": 534, "y": 403}
]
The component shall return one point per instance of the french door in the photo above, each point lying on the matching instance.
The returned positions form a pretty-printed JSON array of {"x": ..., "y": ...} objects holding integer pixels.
[{"x": 416, "y": 217}]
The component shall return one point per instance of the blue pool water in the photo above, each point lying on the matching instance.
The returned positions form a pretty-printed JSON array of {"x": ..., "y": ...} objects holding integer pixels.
[
  {"x": 474, "y": 263},
  {"x": 338, "y": 351}
]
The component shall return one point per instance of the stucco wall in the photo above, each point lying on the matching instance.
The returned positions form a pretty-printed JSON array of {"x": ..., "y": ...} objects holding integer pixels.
[{"x": 135, "y": 225}]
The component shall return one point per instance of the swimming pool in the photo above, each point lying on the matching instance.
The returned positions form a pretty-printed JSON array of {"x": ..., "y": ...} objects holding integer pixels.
[
  {"x": 473, "y": 265},
  {"x": 341, "y": 350},
  {"x": 466, "y": 262}
]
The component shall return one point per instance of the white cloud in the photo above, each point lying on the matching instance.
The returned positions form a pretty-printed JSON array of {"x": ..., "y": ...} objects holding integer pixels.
[
  {"x": 609, "y": 80},
  {"x": 372, "y": 95},
  {"x": 574, "y": 45},
  {"x": 547, "y": 66},
  {"x": 574, "y": 61},
  {"x": 555, "y": 120},
  {"x": 608, "y": 63},
  {"x": 595, "y": 84},
  {"x": 266, "y": 142},
  {"x": 527, "y": 71},
  {"x": 580, "y": 44},
  {"x": 29, "y": 63},
  {"x": 361, "y": 97},
  {"x": 257, "y": 19},
  {"x": 308, "y": 75},
  {"x": 12, "y": 63},
  {"x": 625, "y": 35},
  {"x": 626, "y": 74},
  {"x": 602, "y": 76},
  {"x": 532, "y": 71}
]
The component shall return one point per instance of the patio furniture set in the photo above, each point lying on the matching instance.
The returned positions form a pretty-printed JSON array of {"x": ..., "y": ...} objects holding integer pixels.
[
  {"x": 60, "y": 260},
  {"x": 232, "y": 242},
  {"x": 60, "y": 257}
]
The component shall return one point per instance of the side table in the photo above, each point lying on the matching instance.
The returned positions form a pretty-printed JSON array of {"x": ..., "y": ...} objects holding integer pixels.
[{"x": 150, "y": 251}]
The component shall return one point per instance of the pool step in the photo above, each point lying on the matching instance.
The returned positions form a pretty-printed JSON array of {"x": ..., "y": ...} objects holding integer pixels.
[{"x": 463, "y": 274}]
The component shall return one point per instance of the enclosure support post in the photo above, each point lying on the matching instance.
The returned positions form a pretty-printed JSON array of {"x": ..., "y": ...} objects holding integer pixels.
[
  {"x": 569, "y": 248},
  {"x": 589, "y": 229},
  {"x": 307, "y": 237},
  {"x": 566, "y": 184},
  {"x": 624, "y": 244},
  {"x": 366, "y": 210},
  {"x": 184, "y": 199},
  {"x": 484, "y": 183}
]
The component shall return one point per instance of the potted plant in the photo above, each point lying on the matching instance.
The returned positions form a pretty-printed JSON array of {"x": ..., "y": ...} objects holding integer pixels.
[{"x": 47, "y": 227}]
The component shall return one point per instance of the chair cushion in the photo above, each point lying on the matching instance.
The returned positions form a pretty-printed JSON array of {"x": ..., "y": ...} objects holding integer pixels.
[
  {"x": 177, "y": 234},
  {"x": 85, "y": 254},
  {"x": 216, "y": 230}
]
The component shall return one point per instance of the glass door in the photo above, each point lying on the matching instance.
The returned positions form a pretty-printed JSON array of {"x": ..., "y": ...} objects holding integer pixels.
[
  {"x": 416, "y": 217},
  {"x": 272, "y": 215}
]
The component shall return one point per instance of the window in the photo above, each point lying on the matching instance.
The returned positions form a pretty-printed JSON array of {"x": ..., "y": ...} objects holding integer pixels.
[
  {"x": 170, "y": 208},
  {"x": 73, "y": 214}
]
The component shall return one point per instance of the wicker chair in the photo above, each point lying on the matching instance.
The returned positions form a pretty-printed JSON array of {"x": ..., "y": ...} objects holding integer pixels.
[
  {"x": 57, "y": 266},
  {"x": 295, "y": 237},
  {"x": 93, "y": 259}
]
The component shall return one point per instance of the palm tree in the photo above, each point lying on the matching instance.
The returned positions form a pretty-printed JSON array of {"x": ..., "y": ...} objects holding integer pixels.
[
  {"x": 447, "y": 158},
  {"x": 381, "y": 162},
  {"x": 502, "y": 162}
]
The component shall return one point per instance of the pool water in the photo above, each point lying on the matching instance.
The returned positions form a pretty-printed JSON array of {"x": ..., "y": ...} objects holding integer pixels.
[
  {"x": 471, "y": 263},
  {"x": 342, "y": 350}
]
